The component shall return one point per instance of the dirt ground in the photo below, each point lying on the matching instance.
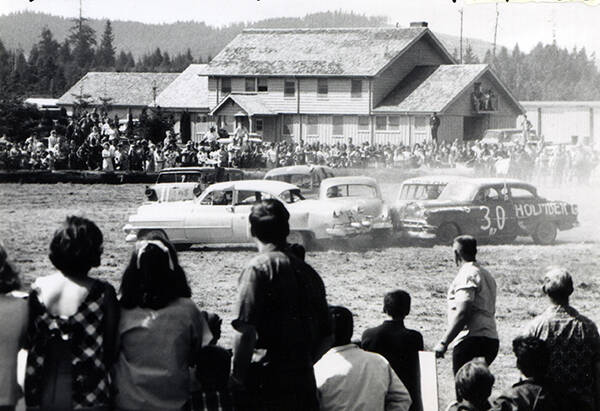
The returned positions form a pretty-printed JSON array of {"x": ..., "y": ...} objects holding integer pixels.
[{"x": 357, "y": 279}]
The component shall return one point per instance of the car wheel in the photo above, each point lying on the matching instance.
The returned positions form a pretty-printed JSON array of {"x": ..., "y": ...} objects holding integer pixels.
[
  {"x": 299, "y": 237},
  {"x": 545, "y": 233},
  {"x": 447, "y": 232}
]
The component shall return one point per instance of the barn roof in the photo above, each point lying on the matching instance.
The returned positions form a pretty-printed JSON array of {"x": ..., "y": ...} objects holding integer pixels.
[
  {"x": 431, "y": 88},
  {"x": 317, "y": 52},
  {"x": 124, "y": 89},
  {"x": 189, "y": 90}
]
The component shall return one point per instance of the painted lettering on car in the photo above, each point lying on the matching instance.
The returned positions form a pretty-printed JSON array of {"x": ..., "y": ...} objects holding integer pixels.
[{"x": 549, "y": 209}]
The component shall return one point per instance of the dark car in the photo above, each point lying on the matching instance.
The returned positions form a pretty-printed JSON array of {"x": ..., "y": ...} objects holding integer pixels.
[
  {"x": 489, "y": 208},
  {"x": 307, "y": 177}
]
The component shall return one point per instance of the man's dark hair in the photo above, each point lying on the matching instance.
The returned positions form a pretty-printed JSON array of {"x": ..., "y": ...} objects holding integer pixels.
[
  {"x": 76, "y": 246},
  {"x": 396, "y": 304},
  {"x": 149, "y": 281},
  {"x": 9, "y": 276},
  {"x": 474, "y": 382},
  {"x": 466, "y": 246},
  {"x": 269, "y": 221},
  {"x": 532, "y": 356},
  {"x": 342, "y": 325}
]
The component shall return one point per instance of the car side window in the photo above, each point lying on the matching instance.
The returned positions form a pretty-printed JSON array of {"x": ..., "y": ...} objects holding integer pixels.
[
  {"x": 521, "y": 193},
  {"x": 247, "y": 197},
  {"x": 218, "y": 197},
  {"x": 488, "y": 194}
]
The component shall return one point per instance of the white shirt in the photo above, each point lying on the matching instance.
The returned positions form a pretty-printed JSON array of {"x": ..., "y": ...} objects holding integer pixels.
[{"x": 349, "y": 378}]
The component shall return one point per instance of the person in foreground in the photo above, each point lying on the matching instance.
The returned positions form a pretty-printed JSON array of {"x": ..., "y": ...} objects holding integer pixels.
[
  {"x": 281, "y": 325},
  {"x": 14, "y": 314},
  {"x": 349, "y": 378},
  {"x": 531, "y": 393},
  {"x": 471, "y": 309},
  {"x": 573, "y": 342},
  {"x": 399, "y": 345},
  {"x": 161, "y": 331},
  {"x": 474, "y": 383},
  {"x": 73, "y": 326}
]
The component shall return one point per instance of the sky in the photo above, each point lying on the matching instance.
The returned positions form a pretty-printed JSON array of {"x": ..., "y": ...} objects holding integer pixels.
[{"x": 571, "y": 23}]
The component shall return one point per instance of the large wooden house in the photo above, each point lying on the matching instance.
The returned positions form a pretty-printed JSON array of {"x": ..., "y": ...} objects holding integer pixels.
[{"x": 374, "y": 85}]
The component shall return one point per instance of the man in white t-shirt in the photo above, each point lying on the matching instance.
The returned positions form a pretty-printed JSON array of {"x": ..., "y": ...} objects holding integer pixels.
[
  {"x": 471, "y": 309},
  {"x": 351, "y": 379}
]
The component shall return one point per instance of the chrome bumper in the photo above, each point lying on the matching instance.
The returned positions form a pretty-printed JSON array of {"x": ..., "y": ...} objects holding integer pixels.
[{"x": 417, "y": 229}]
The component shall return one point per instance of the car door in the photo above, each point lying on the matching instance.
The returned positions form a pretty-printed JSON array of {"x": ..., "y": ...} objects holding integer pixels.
[
  {"x": 497, "y": 216},
  {"x": 526, "y": 205},
  {"x": 244, "y": 200},
  {"x": 211, "y": 220}
]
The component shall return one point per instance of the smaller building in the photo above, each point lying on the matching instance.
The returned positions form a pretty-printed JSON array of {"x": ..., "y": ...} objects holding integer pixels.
[
  {"x": 187, "y": 98},
  {"x": 560, "y": 121},
  {"x": 121, "y": 92}
]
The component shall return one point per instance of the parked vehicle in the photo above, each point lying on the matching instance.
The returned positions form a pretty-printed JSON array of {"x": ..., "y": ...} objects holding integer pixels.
[
  {"x": 307, "y": 177},
  {"x": 508, "y": 136},
  {"x": 489, "y": 208},
  {"x": 187, "y": 183}
]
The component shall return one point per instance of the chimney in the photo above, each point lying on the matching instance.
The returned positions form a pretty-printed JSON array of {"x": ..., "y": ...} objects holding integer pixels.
[{"x": 418, "y": 24}]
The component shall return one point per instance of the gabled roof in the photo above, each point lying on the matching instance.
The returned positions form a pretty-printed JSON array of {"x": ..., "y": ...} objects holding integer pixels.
[
  {"x": 124, "y": 89},
  {"x": 189, "y": 90},
  {"x": 252, "y": 104},
  {"x": 431, "y": 88},
  {"x": 316, "y": 52}
]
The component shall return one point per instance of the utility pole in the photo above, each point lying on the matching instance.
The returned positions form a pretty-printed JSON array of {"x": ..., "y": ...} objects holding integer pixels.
[
  {"x": 80, "y": 14},
  {"x": 495, "y": 35},
  {"x": 461, "y": 34}
]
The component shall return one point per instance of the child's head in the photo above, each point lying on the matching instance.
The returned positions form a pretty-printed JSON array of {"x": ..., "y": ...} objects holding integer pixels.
[
  {"x": 9, "y": 277},
  {"x": 214, "y": 364},
  {"x": 474, "y": 382},
  {"x": 396, "y": 304},
  {"x": 532, "y": 356}
]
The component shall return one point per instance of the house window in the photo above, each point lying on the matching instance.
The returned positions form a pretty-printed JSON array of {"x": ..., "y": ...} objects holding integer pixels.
[
  {"x": 420, "y": 123},
  {"x": 393, "y": 122},
  {"x": 381, "y": 123},
  {"x": 322, "y": 87},
  {"x": 226, "y": 85},
  {"x": 363, "y": 123},
  {"x": 289, "y": 88},
  {"x": 356, "y": 88},
  {"x": 288, "y": 125},
  {"x": 251, "y": 85},
  {"x": 263, "y": 84},
  {"x": 338, "y": 125},
  {"x": 258, "y": 125},
  {"x": 313, "y": 126}
]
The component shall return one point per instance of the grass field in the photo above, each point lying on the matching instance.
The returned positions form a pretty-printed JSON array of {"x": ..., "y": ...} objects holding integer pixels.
[{"x": 357, "y": 279}]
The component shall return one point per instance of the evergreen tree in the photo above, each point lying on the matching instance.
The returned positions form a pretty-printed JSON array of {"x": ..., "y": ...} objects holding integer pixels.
[
  {"x": 82, "y": 39},
  {"x": 46, "y": 64},
  {"x": 105, "y": 55},
  {"x": 469, "y": 56}
]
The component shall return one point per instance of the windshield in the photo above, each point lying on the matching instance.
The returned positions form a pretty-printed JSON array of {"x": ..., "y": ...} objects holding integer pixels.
[
  {"x": 352, "y": 190},
  {"x": 458, "y": 191},
  {"x": 420, "y": 191},
  {"x": 291, "y": 196}
]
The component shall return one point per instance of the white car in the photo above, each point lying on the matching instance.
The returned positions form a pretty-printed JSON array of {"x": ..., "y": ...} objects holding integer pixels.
[{"x": 220, "y": 214}]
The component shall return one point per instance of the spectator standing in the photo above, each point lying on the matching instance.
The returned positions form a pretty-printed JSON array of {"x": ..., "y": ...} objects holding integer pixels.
[
  {"x": 573, "y": 342},
  {"x": 349, "y": 378},
  {"x": 107, "y": 158},
  {"x": 399, "y": 345},
  {"x": 434, "y": 124},
  {"x": 210, "y": 136},
  {"x": 73, "y": 324},
  {"x": 281, "y": 324},
  {"x": 161, "y": 331},
  {"x": 13, "y": 331},
  {"x": 531, "y": 393},
  {"x": 471, "y": 309}
]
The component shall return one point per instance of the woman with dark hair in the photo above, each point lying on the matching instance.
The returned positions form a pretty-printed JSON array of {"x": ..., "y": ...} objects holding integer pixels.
[
  {"x": 72, "y": 326},
  {"x": 13, "y": 329},
  {"x": 161, "y": 331}
]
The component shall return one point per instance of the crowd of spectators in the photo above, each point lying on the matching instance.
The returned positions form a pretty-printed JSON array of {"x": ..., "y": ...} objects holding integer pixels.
[
  {"x": 149, "y": 347},
  {"x": 96, "y": 143}
]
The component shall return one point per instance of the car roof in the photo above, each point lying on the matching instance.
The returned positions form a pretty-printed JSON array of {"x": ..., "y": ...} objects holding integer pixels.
[
  {"x": 498, "y": 181},
  {"x": 271, "y": 186},
  {"x": 434, "y": 179},
  {"x": 298, "y": 169},
  {"x": 332, "y": 181}
]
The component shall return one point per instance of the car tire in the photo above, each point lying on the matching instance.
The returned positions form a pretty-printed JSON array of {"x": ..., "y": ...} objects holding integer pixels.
[
  {"x": 300, "y": 237},
  {"x": 446, "y": 233},
  {"x": 545, "y": 233}
]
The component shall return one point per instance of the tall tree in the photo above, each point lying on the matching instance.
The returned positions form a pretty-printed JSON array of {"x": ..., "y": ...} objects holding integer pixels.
[
  {"x": 46, "y": 64},
  {"x": 82, "y": 39},
  {"x": 469, "y": 57},
  {"x": 105, "y": 55}
]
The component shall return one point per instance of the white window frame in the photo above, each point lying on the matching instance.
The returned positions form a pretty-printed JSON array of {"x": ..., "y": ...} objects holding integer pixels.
[
  {"x": 258, "y": 85},
  {"x": 253, "y": 81},
  {"x": 324, "y": 83},
  {"x": 377, "y": 128},
  {"x": 356, "y": 93},
  {"x": 367, "y": 127},
  {"x": 285, "y": 83},
  {"x": 334, "y": 125},
  {"x": 393, "y": 127}
]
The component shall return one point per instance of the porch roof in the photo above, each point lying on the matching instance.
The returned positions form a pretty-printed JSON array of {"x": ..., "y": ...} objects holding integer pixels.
[{"x": 252, "y": 104}]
